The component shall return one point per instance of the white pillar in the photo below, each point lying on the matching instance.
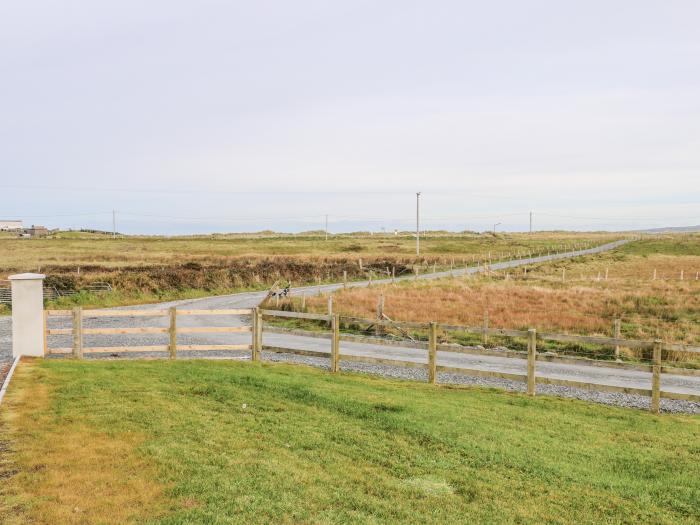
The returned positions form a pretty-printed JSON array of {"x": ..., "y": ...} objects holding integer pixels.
[{"x": 27, "y": 314}]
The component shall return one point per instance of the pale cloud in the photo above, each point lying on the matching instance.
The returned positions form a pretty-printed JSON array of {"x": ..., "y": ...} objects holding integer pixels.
[{"x": 573, "y": 109}]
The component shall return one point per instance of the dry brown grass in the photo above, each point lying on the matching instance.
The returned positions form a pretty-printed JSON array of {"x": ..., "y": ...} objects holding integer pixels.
[
  {"x": 69, "y": 474},
  {"x": 539, "y": 299}
]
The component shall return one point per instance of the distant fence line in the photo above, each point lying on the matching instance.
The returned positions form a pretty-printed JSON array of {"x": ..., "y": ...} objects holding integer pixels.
[{"x": 51, "y": 293}]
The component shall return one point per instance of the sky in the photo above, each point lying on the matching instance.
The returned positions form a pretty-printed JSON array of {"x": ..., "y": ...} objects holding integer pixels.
[{"x": 221, "y": 116}]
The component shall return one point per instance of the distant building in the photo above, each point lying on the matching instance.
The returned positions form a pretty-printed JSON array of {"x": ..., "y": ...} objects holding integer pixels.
[
  {"x": 10, "y": 225},
  {"x": 36, "y": 231}
]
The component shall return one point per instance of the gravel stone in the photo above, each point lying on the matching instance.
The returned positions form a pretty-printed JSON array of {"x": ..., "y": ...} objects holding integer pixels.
[
  {"x": 5, "y": 346},
  {"x": 418, "y": 374}
]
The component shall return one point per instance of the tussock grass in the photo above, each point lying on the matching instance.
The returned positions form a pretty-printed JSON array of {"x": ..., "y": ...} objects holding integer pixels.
[
  {"x": 536, "y": 297},
  {"x": 217, "y": 442}
]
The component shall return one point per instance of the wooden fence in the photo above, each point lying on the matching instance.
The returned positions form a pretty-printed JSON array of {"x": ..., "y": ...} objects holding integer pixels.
[
  {"x": 78, "y": 331},
  {"x": 51, "y": 293},
  {"x": 531, "y": 335}
]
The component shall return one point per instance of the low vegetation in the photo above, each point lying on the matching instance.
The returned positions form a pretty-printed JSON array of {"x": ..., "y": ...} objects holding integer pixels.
[
  {"x": 149, "y": 269},
  {"x": 81, "y": 249},
  {"x": 580, "y": 296},
  {"x": 203, "y": 442}
]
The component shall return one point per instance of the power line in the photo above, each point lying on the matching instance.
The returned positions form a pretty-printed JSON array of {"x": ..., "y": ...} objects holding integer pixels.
[
  {"x": 601, "y": 218},
  {"x": 190, "y": 191},
  {"x": 126, "y": 215},
  {"x": 63, "y": 215}
]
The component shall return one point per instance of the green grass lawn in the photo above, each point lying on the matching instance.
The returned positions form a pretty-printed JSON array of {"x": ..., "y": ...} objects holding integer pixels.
[{"x": 231, "y": 442}]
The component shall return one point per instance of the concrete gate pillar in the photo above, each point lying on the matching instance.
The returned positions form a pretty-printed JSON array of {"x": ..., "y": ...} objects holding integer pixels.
[{"x": 27, "y": 314}]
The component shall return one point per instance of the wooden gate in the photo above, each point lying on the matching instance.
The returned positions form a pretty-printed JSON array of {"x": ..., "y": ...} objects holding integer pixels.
[{"x": 77, "y": 331}]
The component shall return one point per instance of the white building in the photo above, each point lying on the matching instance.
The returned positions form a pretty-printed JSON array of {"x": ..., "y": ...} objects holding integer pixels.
[{"x": 8, "y": 225}]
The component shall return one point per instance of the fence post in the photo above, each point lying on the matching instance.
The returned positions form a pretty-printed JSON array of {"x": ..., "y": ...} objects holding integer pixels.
[
  {"x": 260, "y": 333},
  {"x": 335, "y": 343},
  {"x": 531, "y": 358},
  {"x": 28, "y": 334},
  {"x": 78, "y": 332},
  {"x": 379, "y": 329},
  {"x": 656, "y": 378},
  {"x": 432, "y": 353},
  {"x": 330, "y": 305},
  {"x": 345, "y": 278},
  {"x": 256, "y": 347},
  {"x": 253, "y": 332},
  {"x": 393, "y": 274},
  {"x": 485, "y": 330},
  {"x": 172, "y": 331},
  {"x": 616, "y": 335}
]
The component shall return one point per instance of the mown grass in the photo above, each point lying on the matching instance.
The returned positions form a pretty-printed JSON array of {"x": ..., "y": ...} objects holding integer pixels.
[{"x": 230, "y": 442}]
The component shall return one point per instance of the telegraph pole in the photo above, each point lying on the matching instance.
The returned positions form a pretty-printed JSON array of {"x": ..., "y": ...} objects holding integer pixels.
[
  {"x": 326, "y": 227},
  {"x": 418, "y": 223},
  {"x": 530, "y": 222},
  {"x": 114, "y": 224},
  {"x": 494, "y": 227}
]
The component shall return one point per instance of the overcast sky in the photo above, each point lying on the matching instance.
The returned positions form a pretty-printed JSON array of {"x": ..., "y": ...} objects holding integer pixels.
[{"x": 227, "y": 116}]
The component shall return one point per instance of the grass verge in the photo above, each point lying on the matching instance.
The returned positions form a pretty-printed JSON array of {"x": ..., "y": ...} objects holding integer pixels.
[{"x": 228, "y": 442}]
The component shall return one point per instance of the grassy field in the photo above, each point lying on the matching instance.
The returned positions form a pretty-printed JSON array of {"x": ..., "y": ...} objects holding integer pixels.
[
  {"x": 151, "y": 269},
  {"x": 230, "y": 442},
  {"x": 76, "y": 249},
  {"x": 565, "y": 296}
]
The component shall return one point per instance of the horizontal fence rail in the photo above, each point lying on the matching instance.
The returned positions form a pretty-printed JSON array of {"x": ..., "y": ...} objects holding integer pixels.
[
  {"x": 51, "y": 293},
  {"x": 506, "y": 332},
  {"x": 297, "y": 315}
]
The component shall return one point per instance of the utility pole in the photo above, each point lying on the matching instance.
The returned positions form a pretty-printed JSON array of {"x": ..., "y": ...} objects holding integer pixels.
[
  {"x": 494, "y": 227},
  {"x": 530, "y": 222},
  {"x": 326, "y": 227},
  {"x": 114, "y": 224},
  {"x": 418, "y": 223}
]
